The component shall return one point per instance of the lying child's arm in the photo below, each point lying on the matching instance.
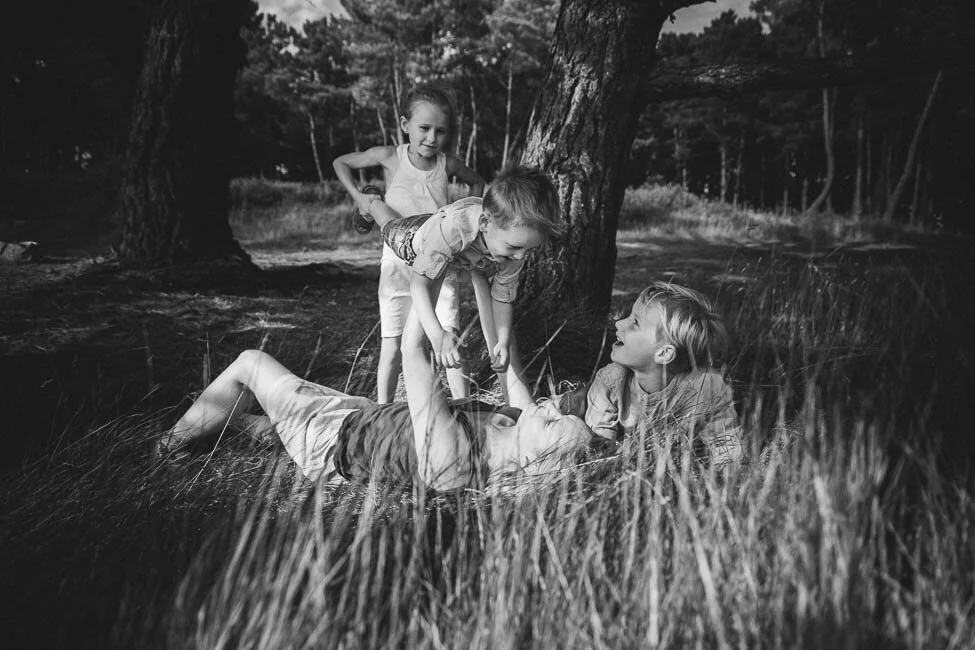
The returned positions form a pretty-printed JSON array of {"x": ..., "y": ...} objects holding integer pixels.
[
  {"x": 445, "y": 344},
  {"x": 442, "y": 449}
]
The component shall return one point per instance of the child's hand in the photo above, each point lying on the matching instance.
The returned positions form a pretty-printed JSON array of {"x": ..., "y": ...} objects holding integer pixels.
[
  {"x": 449, "y": 352},
  {"x": 499, "y": 357},
  {"x": 363, "y": 201}
]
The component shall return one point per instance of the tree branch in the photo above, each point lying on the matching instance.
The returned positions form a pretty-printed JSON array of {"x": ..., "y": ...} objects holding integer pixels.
[{"x": 733, "y": 79}]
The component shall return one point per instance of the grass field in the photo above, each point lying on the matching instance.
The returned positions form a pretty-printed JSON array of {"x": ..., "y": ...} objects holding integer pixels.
[{"x": 850, "y": 526}]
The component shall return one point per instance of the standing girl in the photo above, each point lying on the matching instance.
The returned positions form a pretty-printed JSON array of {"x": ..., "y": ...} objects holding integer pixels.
[{"x": 416, "y": 177}]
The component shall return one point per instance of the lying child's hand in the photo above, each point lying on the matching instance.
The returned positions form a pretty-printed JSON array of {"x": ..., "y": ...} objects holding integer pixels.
[
  {"x": 499, "y": 357},
  {"x": 449, "y": 352}
]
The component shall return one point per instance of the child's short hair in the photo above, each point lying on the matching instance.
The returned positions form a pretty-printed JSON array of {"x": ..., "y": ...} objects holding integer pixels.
[
  {"x": 526, "y": 196},
  {"x": 690, "y": 323}
]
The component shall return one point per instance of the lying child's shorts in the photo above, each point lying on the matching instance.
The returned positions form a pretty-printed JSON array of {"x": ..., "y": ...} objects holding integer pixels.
[{"x": 308, "y": 418}]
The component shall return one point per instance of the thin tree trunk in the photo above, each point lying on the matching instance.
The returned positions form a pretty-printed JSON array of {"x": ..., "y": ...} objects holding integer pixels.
[
  {"x": 869, "y": 181},
  {"x": 382, "y": 126},
  {"x": 473, "y": 136},
  {"x": 916, "y": 199},
  {"x": 828, "y": 120},
  {"x": 681, "y": 168},
  {"x": 314, "y": 148},
  {"x": 761, "y": 182},
  {"x": 739, "y": 169},
  {"x": 723, "y": 149},
  {"x": 507, "y": 114},
  {"x": 912, "y": 151},
  {"x": 355, "y": 138},
  {"x": 857, "y": 208}
]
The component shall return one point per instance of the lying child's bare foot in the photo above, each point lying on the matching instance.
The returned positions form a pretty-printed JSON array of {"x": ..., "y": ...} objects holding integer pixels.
[{"x": 363, "y": 223}]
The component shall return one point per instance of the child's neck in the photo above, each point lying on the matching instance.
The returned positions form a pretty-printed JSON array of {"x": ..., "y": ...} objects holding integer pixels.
[
  {"x": 652, "y": 380},
  {"x": 418, "y": 161}
]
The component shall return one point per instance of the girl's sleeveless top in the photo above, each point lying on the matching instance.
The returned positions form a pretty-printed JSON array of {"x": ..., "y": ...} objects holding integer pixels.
[
  {"x": 414, "y": 191},
  {"x": 377, "y": 441}
]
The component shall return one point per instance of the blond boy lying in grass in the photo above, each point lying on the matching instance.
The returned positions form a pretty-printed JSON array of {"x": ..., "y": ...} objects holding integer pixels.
[{"x": 663, "y": 377}]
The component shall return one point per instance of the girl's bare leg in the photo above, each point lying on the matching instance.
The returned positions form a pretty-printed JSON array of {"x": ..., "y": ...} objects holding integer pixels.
[
  {"x": 232, "y": 393},
  {"x": 390, "y": 364}
]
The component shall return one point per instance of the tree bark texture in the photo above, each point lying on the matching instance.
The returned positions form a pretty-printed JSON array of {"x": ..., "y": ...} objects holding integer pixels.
[
  {"x": 582, "y": 127},
  {"x": 174, "y": 197}
]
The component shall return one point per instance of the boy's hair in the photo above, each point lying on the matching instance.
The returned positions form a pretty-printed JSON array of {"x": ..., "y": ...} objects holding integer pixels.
[
  {"x": 438, "y": 95},
  {"x": 526, "y": 196},
  {"x": 690, "y": 323}
]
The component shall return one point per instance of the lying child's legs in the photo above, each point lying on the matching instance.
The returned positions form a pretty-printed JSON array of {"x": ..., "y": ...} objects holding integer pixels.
[
  {"x": 231, "y": 394},
  {"x": 382, "y": 214}
]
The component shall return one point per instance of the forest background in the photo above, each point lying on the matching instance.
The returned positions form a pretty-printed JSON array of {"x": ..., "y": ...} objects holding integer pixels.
[{"x": 338, "y": 84}]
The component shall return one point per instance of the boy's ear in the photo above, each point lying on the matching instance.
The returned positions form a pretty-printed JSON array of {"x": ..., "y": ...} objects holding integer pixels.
[
  {"x": 482, "y": 222},
  {"x": 665, "y": 354}
]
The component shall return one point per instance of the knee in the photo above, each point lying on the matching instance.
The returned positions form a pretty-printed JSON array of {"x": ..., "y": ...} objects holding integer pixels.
[
  {"x": 389, "y": 351},
  {"x": 250, "y": 358}
]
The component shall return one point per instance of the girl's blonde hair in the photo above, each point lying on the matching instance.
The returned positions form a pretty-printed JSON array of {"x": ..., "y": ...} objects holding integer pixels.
[{"x": 690, "y": 322}]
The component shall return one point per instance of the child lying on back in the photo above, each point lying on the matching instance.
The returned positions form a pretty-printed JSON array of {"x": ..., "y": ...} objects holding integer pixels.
[{"x": 663, "y": 373}]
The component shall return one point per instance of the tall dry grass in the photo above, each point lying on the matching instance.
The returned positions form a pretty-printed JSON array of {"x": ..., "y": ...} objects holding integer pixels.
[{"x": 844, "y": 529}]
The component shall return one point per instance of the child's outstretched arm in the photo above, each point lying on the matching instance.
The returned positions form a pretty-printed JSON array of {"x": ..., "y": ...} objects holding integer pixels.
[
  {"x": 345, "y": 164},
  {"x": 441, "y": 445},
  {"x": 445, "y": 344}
]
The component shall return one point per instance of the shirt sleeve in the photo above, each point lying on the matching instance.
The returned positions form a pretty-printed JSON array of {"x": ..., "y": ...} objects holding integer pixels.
[
  {"x": 602, "y": 411},
  {"x": 442, "y": 238},
  {"x": 504, "y": 284}
]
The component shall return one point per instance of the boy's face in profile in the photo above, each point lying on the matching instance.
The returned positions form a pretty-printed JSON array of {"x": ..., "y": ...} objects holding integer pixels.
[{"x": 639, "y": 344}]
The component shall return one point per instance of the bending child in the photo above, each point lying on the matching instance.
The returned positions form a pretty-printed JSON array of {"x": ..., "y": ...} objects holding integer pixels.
[
  {"x": 489, "y": 238},
  {"x": 334, "y": 437},
  {"x": 416, "y": 176},
  {"x": 663, "y": 372}
]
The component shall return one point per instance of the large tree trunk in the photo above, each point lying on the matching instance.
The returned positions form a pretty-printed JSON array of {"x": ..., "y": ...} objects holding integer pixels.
[
  {"x": 581, "y": 131},
  {"x": 174, "y": 196}
]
